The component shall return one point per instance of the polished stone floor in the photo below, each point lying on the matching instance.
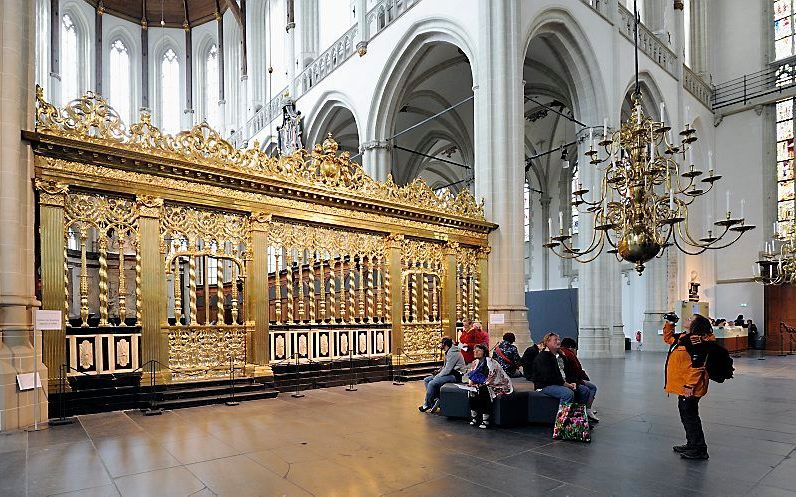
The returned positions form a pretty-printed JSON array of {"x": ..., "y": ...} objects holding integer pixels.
[{"x": 374, "y": 442}]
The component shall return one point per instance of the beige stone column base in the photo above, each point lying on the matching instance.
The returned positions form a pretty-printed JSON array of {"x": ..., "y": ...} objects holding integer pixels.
[
  {"x": 16, "y": 356},
  {"x": 594, "y": 342},
  {"x": 515, "y": 320}
]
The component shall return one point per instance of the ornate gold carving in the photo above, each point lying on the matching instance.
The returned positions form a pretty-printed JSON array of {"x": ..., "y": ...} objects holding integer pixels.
[
  {"x": 421, "y": 342},
  {"x": 92, "y": 120},
  {"x": 202, "y": 351},
  {"x": 149, "y": 206},
  {"x": 51, "y": 192},
  {"x": 100, "y": 173}
]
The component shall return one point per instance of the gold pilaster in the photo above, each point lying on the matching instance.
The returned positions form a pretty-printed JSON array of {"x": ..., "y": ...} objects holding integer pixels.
[
  {"x": 54, "y": 280},
  {"x": 257, "y": 286},
  {"x": 138, "y": 295},
  {"x": 481, "y": 284},
  {"x": 153, "y": 344},
  {"x": 395, "y": 303},
  {"x": 450, "y": 291}
]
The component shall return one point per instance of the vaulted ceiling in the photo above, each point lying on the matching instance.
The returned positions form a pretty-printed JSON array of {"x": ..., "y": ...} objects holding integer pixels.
[{"x": 172, "y": 12}]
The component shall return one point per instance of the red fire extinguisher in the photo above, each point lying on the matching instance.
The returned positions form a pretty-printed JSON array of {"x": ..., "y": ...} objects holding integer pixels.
[{"x": 638, "y": 336}]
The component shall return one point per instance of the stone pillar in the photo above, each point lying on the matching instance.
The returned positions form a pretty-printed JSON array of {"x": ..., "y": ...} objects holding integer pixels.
[
  {"x": 449, "y": 289},
  {"x": 53, "y": 266},
  {"x": 290, "y": 48},
  {"x": 154, "y": 344},
  {"x": 17, "y": 295},
  {"x": 656, "y": 305},
  {"x": 499, "y": 175},
  {"x": 700, "y": 39},
  {"x": 363, "y": 29},
  {"x": 256, "y": 292},
  {"x": 595, "y": 279},
  {"x": 308, "y": 28},
  {"x": 396, "y": 294},
  {"x": 377, "y": 159},
  {"x": 545, "y": 203}
]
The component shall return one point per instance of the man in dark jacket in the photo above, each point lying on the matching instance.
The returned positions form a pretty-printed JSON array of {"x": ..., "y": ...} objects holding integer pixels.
[{"x": 553, "y": 375}]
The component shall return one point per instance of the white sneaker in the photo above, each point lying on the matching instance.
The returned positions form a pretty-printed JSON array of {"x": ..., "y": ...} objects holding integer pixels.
[{"x": 592, "y": 416}]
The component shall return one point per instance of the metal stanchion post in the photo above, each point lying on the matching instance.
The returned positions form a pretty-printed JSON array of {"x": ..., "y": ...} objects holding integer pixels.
[
  {"x": 62, "y": 419},
  {"x": 352, "y": 387},
  {"x": 231, "y": 401},
  {"x": 153, "y": 409},
  {"x": 396, "y": 379},
  {"x": 297, "y": 394}
]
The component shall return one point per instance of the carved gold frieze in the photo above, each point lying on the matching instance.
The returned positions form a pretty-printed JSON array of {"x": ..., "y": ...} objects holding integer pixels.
[
  {"x": 421, "y": 342},
  {"x": 96, "y": 173},
  {"x": 90, "y": 119}
]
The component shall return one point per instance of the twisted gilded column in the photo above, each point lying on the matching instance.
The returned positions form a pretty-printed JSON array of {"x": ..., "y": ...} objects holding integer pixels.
[
  {"x": 277, "y": 291},
  {"x": 291, "y": 318},
  {"x": 311, "y": 287},
  {"x": 102, "y": 242},
  {"x": 83, "y": 277},
  {"x": 122, "y": 302}
]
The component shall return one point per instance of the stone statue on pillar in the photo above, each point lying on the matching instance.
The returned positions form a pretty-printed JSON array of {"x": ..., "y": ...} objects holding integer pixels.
[{"x": 693, "y": 287}]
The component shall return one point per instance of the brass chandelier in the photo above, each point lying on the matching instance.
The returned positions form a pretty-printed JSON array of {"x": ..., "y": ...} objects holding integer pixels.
[
  {"x": 648, "y": 183},
  {"x": 777, "y": 264}
]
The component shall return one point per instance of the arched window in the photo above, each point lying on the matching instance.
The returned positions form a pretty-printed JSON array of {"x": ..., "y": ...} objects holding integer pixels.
[
  {"x": 42, "y": 42},
  {"x": 120, "y": 80},
  {"x": 170, "y": 92},
  {"x": 783, "y": 29},
  {"x": 211, "y": 88},
  {"x": 70, "y": 60}
]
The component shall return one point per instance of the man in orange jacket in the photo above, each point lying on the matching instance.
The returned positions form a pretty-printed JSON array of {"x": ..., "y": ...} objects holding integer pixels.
[{"x": 686, "y": 377}]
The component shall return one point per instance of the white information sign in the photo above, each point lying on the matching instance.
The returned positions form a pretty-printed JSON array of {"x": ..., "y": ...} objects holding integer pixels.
[
  {"x": 48, "y": 320},
  {"x": 497, "y": 319},
  {"x": 25, "y": 381}
]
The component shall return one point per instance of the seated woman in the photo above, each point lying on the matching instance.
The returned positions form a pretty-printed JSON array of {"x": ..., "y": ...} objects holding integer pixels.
[
  {"x": 489, "y": 380},
  {"x": 507, "y": 355},
  {"x": 554, "y": 375},
  {"x": 451, "y": 372},
  {"x": 569, "y": 347}
]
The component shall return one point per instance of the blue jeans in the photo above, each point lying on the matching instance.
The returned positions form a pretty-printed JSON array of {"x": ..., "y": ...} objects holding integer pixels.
[
  {"x": 592, "y": 392},
  {"x": 564, "y": 394},
  {"x": 433, "y": 384}
]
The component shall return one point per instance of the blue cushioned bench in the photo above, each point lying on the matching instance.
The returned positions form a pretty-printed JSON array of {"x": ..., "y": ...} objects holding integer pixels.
[{"x": 523, "y": 406}]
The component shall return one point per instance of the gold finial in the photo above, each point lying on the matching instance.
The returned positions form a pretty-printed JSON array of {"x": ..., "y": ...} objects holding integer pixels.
[{"x": 329, "y": 145}]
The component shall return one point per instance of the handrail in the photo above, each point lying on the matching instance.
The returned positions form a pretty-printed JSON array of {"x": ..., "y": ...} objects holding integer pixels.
[
  {"x": 382, "y": 15},
  {"x": 775, "y": 78}
]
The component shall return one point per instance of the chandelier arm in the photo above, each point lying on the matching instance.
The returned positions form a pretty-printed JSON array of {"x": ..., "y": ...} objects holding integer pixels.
[
  {"x": 685, "y": 251},
  {"x": 592, "y": 245}
]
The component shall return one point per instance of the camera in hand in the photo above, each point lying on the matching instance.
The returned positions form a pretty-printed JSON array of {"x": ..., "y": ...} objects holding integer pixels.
[{"x": 671, "y": 317}]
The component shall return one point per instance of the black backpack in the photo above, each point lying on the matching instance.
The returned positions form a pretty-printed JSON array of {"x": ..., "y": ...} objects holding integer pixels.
[
  {"x": 715, "y": 358},
  {"x": 718, "y": 362}
]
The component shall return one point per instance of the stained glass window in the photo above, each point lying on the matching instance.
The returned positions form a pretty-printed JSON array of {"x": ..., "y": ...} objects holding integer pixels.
[
  {"x": 786, "y": 199},
  {"x": 120, "y": 80},
  {"x": 70, "y": 62},
  {"x": 170, "y": 92},
  {"x": 783, "y": 29}
]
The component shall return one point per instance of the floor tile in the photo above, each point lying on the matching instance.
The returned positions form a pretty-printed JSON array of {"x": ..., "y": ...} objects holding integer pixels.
[
  {"x": 239, "y": 476},
  {"x": 170, "y": 482}
]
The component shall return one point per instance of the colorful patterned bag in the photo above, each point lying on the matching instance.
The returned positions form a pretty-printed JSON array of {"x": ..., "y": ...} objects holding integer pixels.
[{"x": 572, "y": 423}]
